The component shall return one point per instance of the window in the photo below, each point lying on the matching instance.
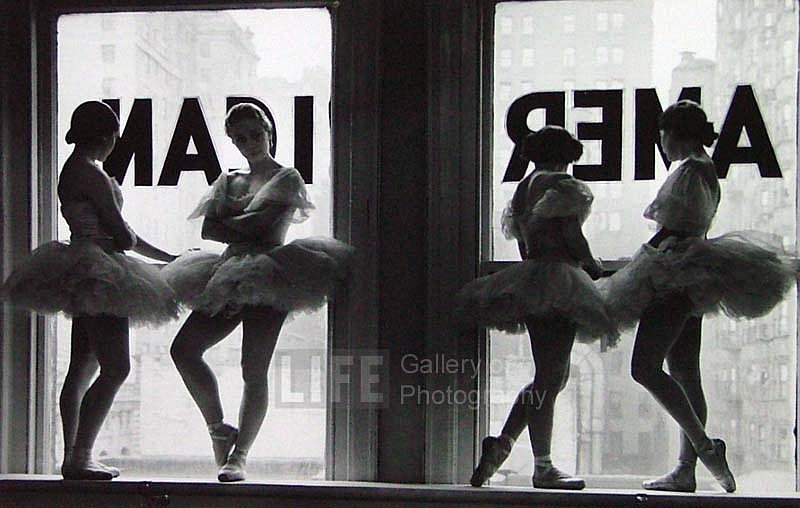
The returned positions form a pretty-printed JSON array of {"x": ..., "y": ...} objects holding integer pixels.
[
  {"x": 649, "y": 58},
  {"x": 569, "y": 23},
  {"x": 769, "y": 19},
  {"x": 527, "y": 57},
  {"x": 569, "y": 57},
  {"x": 143, "y": 429},
  {"x": 601, "y": 55},
  {"x": 617, "y": 21},
  {"x": 602, "y": 22},
  {"x": 506, "y": 26},
  {"x": 109, "y": 53},
  {"x": 618, "y": 55},
  {"x": 504, "y": 90},
  {"x": 505, "y": 58},
  {"x": 527, "y": 25}
]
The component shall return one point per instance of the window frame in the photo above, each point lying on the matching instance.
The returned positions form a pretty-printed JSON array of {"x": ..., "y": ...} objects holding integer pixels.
[
  {"x": 350, "y": 443},
  {"x": 486, "y": 266}
]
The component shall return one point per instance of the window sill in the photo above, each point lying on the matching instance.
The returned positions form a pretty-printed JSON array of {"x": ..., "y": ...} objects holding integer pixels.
[{"x": 42, "y": 490}]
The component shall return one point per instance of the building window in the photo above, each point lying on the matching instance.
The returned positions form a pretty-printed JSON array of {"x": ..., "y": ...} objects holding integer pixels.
[
  {"x": 769, "y": 19},
  {"x": 618, "y": 55},
  {"x": 506, "y": 26},
  {"x": 527, "y": 25},
  {"x": 617, "y": 21},
  {"x": 506, "y": 58},
  {"x": 108, "y": 87},
  {"x": 109, "y": 53},
  {"x": 569, "y": 23},
  {"x": 569, "y": 57},
  {"x": 504, "y": 90},
  {"x": 601, "y": 55},
  {"x": 789, "y": 53},
  {"x": 527, "y": 57},
  {"x": 602, "y": 22}
]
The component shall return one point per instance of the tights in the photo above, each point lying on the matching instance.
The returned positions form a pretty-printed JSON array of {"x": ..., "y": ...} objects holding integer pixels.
[
  {"x": 97, "y": 343},
  {"x": 260, "y": 329},
  {"x": 551, "y": 345},
  {"x": 667, "y": 331}
]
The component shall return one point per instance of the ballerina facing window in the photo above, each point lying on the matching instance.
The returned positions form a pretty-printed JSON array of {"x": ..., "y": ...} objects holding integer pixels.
[{"x": 91, "y": 279}]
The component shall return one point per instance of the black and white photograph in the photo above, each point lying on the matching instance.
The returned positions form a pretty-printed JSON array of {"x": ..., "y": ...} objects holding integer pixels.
[{"x": 385, "y": 253}]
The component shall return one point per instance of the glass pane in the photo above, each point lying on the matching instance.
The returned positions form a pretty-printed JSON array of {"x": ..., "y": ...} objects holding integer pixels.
[
  {"x": 742, "y": 59},
  {"x": 173, "y": 61}
]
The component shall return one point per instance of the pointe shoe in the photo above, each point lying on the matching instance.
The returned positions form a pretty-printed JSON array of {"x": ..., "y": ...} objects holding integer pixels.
[
  {"x": 554, "y": 478},
  {"x": 714, "y": 459},
  {"x": 222, "y": 440},
  {"x": 111, "y": 469},
  {"x": 233, "y": 470},
  {"x": 86, "y": 471},
  {"x": 493, "y": 454},
  {"x": 680, "y": 479}
]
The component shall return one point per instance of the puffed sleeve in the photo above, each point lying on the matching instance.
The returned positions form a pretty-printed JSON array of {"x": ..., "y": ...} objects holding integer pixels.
[
  {"x": 213, "y": 199},
  {"x": 566, "y": 197},
  {"x": 685, "y": 202},
  {"x": 285, "y": 188}
]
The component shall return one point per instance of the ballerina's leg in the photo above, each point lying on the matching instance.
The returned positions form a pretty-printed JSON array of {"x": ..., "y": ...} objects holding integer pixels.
[
  {"x": 261, "y": 328},
  {"x": 83, "y": 366},
  {"x": 551, "y": 345},
  {"x": 683, "y": 361},
  {"x": 659, "y": 328},
  {"x": 199, "y": 333},
  {"x": 107, "y": 337}
]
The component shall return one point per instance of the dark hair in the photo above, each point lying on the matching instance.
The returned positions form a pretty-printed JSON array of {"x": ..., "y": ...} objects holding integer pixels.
[
  {"x": 248, "y": 111},
  {"x": 91, "y": 122},
  {"x": 551, "y": 143},
  {"x": 686, "y": 120}
]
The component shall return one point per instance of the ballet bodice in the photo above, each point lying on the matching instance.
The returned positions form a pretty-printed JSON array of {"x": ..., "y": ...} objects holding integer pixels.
[
  {"x": 83, "y": 220},
  {"x": 547, "y": 201},
  {"x": 231, "y": 196}
]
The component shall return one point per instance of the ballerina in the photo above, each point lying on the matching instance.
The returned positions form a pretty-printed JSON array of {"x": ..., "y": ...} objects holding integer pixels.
[
  {"x": 92, "y": 280},
  {"x": 257, "y": 281},
  {"x": 678, "y": 276},
  {"x": 551, "y": 293}
]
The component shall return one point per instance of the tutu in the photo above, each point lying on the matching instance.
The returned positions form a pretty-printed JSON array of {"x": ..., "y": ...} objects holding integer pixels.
[
  {"x": 298, "y": 276},
  {"x": 80, "y": 278},
  {"x": 551, "y": 283},
  {"x": 741, "y": 274},
  {"x": 737, "y": 274},
  {"x": 505, "y": 299}
]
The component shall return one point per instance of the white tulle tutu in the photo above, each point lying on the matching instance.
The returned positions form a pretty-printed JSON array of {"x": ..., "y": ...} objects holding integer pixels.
[
  {"x": 739, "y": 274},
  {"x": 299, "y": 276},
  {"x": 505, "y": 299},
  {"x": 80, "y": 278}
]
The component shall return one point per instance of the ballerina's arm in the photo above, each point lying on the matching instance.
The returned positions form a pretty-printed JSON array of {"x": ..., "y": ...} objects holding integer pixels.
[
  {"x": 145, "y": 248},
  {"x": 257, "y": 222},
  {"x": 579, "y": 247}
]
